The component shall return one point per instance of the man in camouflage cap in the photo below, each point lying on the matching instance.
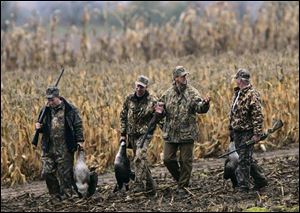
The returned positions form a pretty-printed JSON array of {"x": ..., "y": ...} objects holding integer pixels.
[
  {"x": 180, "y": 105},
  {"x": 62, "y": 132},
  {"x": 137, "y": 111},
  {"x": 246, "y": 122}
]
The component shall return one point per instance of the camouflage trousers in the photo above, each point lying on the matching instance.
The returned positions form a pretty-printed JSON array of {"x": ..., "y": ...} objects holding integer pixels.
[
  {"x": 181, "y": 172},
  {"x": 247, "y": 166},
  {"x": 143, "y": 175},
  {"x": 57, "y": 170}
]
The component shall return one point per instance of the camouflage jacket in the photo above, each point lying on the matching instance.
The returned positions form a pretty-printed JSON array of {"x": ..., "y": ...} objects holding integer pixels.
[
  {"x": 136, "y": 114},
  {"x": 73, "y": 127},
  {"x": 179, "y": 124},
  {"x": 247, "y": 112}
]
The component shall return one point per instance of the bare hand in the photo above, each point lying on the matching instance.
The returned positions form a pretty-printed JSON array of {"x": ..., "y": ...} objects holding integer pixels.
[
  {"x": 159, "y": 107},
  {"x": 255, "y": 138},
  {"x": 37, "y": 125},
  {"x": 206, "y": 100}
]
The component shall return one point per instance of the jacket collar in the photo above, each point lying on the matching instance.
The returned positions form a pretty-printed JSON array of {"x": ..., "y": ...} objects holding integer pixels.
[
  {"x": 135, "y": 98},
  {"x": 68, "y": 106},
  {"x": 244, "y": 90},
  {"x": 179, "y": 89}
]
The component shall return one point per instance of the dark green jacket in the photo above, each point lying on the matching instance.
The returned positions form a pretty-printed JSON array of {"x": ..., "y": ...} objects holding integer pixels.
[{"x": 73, "y": 127}]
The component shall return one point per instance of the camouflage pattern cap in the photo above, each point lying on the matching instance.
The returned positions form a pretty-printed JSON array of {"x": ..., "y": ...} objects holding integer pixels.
[
  {"x": 142, "y": 80},
  {"x": 179, "y": 71},
  {"x": 52, "y": 91},
  {"x": 243, "y": 74}
]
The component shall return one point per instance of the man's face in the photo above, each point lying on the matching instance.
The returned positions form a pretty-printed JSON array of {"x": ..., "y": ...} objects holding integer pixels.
[
  {"x": 53, "y": 102},
  {"x": 140, "y": 90},
  {"x": 181, "y": 80}
]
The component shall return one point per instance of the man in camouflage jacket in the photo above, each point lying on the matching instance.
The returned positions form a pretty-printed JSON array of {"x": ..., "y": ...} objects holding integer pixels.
[
  {"x": 246, "y": 122},
  {"x": 137, "y": 111},
  {"x": 62, "y": 132},
  {"x": 181, "y": 104}
]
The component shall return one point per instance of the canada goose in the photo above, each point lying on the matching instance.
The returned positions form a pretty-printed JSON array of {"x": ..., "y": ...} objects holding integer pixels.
[
  {"x": 81, "y": 173},
  {"x": 231, "y": 165},
  {"x": 122, "y": 168}
]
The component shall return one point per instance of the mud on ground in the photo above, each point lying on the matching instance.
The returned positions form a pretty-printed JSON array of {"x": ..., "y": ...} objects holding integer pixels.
[{"x": 208, "y": 191}]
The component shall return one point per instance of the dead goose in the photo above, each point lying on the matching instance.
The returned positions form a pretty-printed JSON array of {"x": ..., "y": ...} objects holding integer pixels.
[
  {"x": 81, "y": 173},
  {"x": 231, "y": 165},
  {"x": 122, "y": 168}
]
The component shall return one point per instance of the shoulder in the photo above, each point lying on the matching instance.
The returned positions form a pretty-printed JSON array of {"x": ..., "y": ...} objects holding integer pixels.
[
  {"x": 192, "y": 90},
  {"x": 254, "y": 96},
  {"x": 129, "y": 97},
  {"x": 152, "y": 97},
  {"x": 254, "y": 93},
  {"x": 170, "y": 90},
  {"x": 69, "y": 106}
]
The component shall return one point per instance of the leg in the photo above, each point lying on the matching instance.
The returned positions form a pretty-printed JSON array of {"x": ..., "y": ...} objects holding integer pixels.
[
  {"x": 186, "y": 163},
  {"x": 170, "y": 160},
  {"x": 48, "y": 173},
  {"x": 140, "y": 165},
  {"x": 258, "y": 175},
  {"x": 65, "y": 172},
  {"x": 245, "y": 157}
]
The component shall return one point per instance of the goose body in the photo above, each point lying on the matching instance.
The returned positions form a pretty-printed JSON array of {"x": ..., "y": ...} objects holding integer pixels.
[
  {"x": 231, "y": 164},
  {"x": 81, "y": 174},
  {"x": 122, "y": 168}
]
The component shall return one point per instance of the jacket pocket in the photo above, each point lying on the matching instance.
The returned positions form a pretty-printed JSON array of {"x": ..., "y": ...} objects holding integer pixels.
[{"x": 186, "y": 132}]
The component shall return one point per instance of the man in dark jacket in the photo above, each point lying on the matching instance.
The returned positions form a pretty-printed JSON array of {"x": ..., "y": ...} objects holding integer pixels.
[{"x": 62, "y": 132}]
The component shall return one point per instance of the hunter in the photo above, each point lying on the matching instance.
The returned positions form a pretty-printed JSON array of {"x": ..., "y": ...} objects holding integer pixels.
[
  {"x": 62, "y": 132},
  {"x": 138, "y": 110},
  {"x": 246, "y": 122},
  {"x": 180, "y": 104}
]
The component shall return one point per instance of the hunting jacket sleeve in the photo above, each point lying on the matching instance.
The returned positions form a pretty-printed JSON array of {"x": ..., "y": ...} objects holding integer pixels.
[
  {"x": 198, "y": 105},
  {"x": 78, "y": 127},
  {"x": 256, "y": 114},
  {"x": 124, "y": 117}
]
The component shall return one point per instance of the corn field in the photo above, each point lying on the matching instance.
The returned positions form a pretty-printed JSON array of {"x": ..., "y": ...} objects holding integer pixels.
[
  {"x": 102, "y": 71},
  {"x": 217, "y": 31}
]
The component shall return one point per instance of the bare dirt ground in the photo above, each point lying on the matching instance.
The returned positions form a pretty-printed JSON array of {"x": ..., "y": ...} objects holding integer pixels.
[{"x": 208, "y": 190}]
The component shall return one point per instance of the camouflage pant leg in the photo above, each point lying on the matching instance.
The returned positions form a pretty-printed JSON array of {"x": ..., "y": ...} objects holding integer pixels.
[
  {"x": 131, "y": 143},
  {"x": 49, "y": 173},
  {"x": 245, "y": 159},
  {"x": 65, "y": 172},
  {"x": 186, "y": 163},
  {"x": 142, "y": 171}
]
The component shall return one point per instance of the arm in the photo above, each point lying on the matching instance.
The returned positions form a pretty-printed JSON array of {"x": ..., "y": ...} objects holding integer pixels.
[
  {"x": 78, "y": 127},
  {"x": 256, "y": 114},
  {"x": 39, "y": 126},
  {"x": 198, "y": 104},
  {"x": 124, "y": 119}
]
